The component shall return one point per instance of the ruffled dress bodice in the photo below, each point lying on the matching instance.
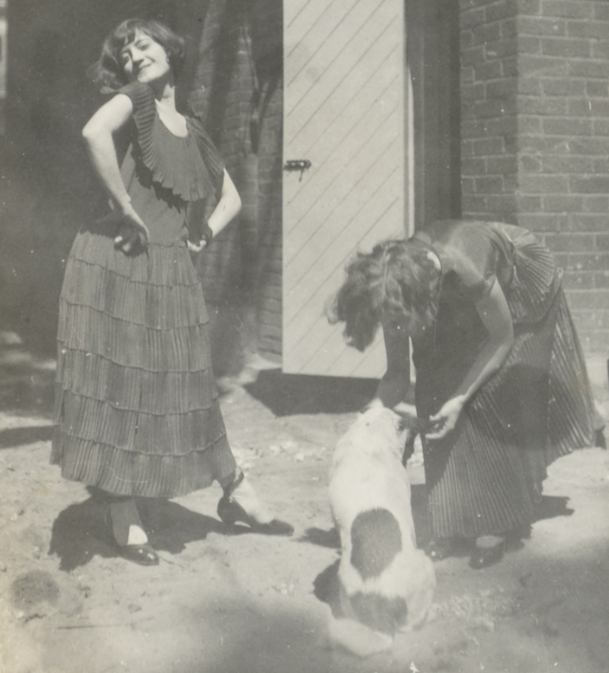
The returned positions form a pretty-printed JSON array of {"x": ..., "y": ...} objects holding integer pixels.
[{"x": 164, "y": 172}]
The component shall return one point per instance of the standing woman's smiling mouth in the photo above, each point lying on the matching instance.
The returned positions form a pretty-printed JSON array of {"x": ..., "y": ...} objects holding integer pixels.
[{"x": 145, "y": 60}]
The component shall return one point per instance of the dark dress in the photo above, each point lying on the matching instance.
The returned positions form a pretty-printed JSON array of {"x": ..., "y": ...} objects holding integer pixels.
[
  {"x": 485, "y": 477},
  {"x": 136, "y": 404}
]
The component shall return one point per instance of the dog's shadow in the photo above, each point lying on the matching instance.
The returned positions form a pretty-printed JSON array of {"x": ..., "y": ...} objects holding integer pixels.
[
  {"x": 326, "y": 588},
  {"x": 81, "y": 531}
]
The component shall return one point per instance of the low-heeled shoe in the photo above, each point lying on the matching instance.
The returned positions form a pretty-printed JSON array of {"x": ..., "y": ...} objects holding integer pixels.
[
  {"x": 483, "y": 557},
  {"x": 143, "y": 554},
  {"x": 231, "y": 512}
]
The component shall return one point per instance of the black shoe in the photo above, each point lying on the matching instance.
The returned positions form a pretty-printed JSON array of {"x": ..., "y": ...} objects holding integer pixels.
[
  {"x": 440, "y": 549},
  {"x": 142, "y": 554},
  {"x": 231, "y": 512},
  {"x": 487, "y": 556}
]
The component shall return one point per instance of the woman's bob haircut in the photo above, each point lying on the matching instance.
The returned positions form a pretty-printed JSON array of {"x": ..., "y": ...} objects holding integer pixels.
[
  {"x": 398, "y": 282},
  {"x": 108, "y": 74}
]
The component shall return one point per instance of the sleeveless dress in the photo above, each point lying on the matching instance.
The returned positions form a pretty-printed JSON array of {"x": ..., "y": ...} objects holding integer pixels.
[
  {"x": 486, "y": 476},
  {"x": 136, "y": 410}
]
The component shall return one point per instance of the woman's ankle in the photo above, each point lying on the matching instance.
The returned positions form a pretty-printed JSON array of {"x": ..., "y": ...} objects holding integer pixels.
[
  {"x": 241, "y": 491},
  {"x": 127, "y": 526},
  {"x": 230, "y": 483},
  {"x": 489, "y": 541}
]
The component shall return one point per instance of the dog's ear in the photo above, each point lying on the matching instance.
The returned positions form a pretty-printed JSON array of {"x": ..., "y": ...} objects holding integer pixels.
[
  {"x": 405, "y": 422},
  {"x": 401, "y": 423},
  {"x": 408, "y": 447},
  {"x": 415, "y": 425}
]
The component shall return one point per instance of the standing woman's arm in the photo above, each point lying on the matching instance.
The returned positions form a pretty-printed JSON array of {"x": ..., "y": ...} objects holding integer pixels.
[
  {"x": 229, "y": 205},
  {"x": 98, "y": 137}
]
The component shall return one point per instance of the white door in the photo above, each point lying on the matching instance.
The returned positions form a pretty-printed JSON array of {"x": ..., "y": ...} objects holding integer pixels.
[{"x": 344, "y": 112}]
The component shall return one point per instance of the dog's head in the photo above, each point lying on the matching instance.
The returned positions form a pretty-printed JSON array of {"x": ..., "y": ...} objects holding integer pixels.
[{"x": 378, "y": 429}]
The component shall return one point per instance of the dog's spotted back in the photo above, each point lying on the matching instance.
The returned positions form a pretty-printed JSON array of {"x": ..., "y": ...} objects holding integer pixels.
[{"x": 376, "y": 539}]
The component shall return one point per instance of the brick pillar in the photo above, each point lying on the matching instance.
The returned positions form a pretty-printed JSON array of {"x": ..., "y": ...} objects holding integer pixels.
[
  {"x": 535, "y": 135},
  {"x": 489, "y": 82}
]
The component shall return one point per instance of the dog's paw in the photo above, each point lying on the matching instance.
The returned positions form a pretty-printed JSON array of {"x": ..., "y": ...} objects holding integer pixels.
[{"x": 357, "y": 638}]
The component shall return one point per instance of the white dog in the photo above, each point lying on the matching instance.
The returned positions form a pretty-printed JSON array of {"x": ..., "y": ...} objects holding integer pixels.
[{"x": 386, "y": 583}]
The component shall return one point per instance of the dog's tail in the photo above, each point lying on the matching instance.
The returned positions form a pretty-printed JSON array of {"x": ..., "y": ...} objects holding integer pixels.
[{"x": 357, "y": 638}]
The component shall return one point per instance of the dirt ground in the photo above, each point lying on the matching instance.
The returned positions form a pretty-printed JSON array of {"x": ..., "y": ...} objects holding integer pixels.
[{"x": 237, "y": 603}]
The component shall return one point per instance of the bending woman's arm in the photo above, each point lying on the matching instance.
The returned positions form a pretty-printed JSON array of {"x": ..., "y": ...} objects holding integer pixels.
[
  {"x": 98, "y": 137},
  {"x": 495, "y": 315},
  {"x": 393, "y": 388}
]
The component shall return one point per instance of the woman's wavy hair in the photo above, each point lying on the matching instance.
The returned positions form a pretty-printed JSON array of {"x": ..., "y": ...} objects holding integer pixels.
[
  {"x": 107, "y": 72},
  {"x": 397, "y": 282}
]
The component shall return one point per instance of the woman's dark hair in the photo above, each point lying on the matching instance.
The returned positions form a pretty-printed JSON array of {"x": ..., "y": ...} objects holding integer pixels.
[
  {"x": 398, "y": 281},
  {"x": 108, "y": 73}
]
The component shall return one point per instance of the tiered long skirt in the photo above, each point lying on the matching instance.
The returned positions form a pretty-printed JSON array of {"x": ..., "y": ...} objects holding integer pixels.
[
  {"x": 136, "y": 404},
  {"x": 486, "y": 477}
]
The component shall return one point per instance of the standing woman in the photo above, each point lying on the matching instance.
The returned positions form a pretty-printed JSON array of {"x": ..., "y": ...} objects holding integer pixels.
[
  {"x": 499, "y": 369},
  {"x": 137, "y": 412}
]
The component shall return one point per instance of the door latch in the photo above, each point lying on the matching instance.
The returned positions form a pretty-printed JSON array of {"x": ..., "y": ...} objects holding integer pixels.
[{"x": 300, "y": 165}]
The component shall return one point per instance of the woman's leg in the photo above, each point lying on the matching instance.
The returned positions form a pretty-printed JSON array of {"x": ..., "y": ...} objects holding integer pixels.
[
  {"x": 128, "y": 531},
  {"x": 240, "y": 503},
  {"x": 127, "y": 526}
]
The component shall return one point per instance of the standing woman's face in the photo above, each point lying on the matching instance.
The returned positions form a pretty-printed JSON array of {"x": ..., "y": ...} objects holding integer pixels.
[{"x": 145, "y": 60}]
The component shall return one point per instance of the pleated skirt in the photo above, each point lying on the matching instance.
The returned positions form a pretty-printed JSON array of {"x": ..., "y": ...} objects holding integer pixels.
[
  {"x": 486, "y": 476},
  {"x": 136, "y": 407}
]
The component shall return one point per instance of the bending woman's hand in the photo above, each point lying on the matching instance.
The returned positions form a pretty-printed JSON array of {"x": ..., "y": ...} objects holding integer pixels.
[
  {"x": 446, "y": 419},
  {"x": 408, "y": 413}
]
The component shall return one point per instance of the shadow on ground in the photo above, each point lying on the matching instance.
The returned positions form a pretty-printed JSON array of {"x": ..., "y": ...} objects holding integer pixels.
[
  {"x": 26, "y": 379},
  {"x": 289, "y": 394},
  {"x": 14, "y": 437},
  {"x": 552, "y": 506},
  {"x": 81, "y": 531}
]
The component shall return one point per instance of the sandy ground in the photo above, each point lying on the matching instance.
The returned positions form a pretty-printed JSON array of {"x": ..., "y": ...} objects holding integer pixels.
[{"x": 237, "y": 603}]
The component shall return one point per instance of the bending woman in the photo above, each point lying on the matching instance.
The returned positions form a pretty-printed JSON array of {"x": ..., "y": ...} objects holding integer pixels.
[
  {"x": 137, "y": 412},
  {"x": 499, "y": 369}
]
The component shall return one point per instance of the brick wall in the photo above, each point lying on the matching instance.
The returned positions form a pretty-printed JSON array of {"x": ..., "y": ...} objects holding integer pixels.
[
  {"x": 239, "y": 90},
  {"x": 488, "y": 109},
  {"x": 535, "y": 135}
]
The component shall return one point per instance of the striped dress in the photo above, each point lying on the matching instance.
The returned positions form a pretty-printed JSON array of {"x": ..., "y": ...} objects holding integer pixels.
[
  {"x": 486, "y": 476},
  {"x": 136, "y": 408}
]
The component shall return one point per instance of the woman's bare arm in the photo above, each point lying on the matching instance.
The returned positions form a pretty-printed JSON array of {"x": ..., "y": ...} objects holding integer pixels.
[
  {"x": 495, "y": 315},
  {"x": 395, "y": 384},
  {"x": 98, "y": 137},
  {"x": 227, "y": 209}
]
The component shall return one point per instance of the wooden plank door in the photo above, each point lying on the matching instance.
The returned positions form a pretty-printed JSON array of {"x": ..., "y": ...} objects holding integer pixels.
[{"x": 344, "y": 112}]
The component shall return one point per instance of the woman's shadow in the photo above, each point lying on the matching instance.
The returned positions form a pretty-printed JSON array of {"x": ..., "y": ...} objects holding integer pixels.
[{"x": 81, "y": 531}]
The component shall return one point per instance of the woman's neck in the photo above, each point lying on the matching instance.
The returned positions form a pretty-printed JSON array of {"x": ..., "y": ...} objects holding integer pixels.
[
  {"x": 168, "y": 114},
  {"x": 167, "y": 99},
  {"x": 165, "y": 92}
]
